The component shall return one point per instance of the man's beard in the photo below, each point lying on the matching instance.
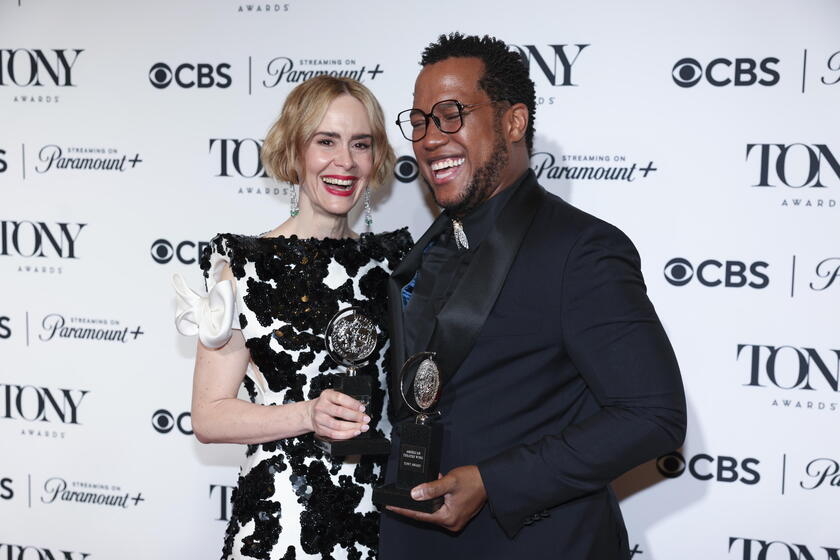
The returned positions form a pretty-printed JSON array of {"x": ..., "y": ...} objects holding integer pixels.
[{"x": 484, "y": 181}]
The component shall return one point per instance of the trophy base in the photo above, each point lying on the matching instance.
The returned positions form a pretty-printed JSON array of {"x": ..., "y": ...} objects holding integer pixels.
[
  {"x": 390, "y": 495},
  {"x": 353, "y": 446}
]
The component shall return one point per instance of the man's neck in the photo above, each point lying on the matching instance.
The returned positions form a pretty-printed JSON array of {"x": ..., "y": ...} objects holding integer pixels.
[{"x": 519, "y": 164}]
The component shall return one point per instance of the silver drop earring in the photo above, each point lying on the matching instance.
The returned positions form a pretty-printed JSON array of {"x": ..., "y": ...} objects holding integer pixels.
[
  {"x": 294, "y": 210},
  {"x": 368, "y": 215}
]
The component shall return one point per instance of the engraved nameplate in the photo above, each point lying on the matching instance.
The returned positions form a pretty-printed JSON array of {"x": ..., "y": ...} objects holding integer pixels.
[{"x": 412, "y": 458}]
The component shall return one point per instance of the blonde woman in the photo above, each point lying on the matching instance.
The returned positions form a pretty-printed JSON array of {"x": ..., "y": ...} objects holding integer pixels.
[{"x": 262, "y": 325}]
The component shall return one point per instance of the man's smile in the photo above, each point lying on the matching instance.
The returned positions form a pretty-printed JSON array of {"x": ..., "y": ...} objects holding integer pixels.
[{"x": 446, "y": 169}]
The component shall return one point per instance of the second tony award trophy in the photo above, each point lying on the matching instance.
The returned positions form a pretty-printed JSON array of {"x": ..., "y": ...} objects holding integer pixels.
[
  {"x": 350, "y": 338},
  {"x": 420, "y": 437}
]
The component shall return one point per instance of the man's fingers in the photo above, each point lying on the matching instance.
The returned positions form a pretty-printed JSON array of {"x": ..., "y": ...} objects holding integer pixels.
[
  {"x": 418, "y": 515},
  {"x": 434, "y": 489}
]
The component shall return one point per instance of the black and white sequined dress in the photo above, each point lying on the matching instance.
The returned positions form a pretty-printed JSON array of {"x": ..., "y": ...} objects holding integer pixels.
[{"x": 291, "y": 500}]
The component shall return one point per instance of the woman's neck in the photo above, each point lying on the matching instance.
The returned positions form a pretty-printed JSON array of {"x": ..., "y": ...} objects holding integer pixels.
[{"x": 311, "y": 223}]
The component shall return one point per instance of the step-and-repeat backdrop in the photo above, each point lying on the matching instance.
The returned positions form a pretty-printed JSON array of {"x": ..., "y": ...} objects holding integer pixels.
[{"x": 130, "y": 134}]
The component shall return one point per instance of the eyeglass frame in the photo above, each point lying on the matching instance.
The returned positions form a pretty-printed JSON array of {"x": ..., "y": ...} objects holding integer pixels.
[{"x": 436, "y": 120}]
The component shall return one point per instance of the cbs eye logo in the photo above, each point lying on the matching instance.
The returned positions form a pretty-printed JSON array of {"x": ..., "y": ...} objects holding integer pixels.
[
  {"x": 704, "y": 467},
  {"x": 678, "y": 272},
  {"x": 688, "y": 72},
  {"x": 406, "y": 169},
  {"x": 711, "y": 273},
  {"x": 162, "y": 251},
  {"x": 164, "y": 422},
  {"x": 671, "y": 465},
  {"x": 201, "y": 75}
]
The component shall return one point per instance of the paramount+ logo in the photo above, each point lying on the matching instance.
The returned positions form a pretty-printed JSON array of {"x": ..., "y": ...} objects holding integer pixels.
[
  {"x": 190, "y": 75},
  {"x": 710, "y": 468},
  {"x": 714, "y": 273},
  {"x": 821, "y": 472},
  {"x": 827, "y": 271},
  {"x": 721, "y": 72}
]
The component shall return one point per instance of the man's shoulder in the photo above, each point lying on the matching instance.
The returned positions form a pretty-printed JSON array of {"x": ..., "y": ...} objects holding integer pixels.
[{"x": 558, "y": 217}]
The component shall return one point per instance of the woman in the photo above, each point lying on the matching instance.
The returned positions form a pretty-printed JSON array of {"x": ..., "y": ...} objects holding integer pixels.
[{"x": 292, "y": 500}]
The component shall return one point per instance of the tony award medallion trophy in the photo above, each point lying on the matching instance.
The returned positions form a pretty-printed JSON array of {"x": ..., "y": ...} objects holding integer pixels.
[
  {"x": 420, "y": 437},
  {"x": 350, "y": 338}
]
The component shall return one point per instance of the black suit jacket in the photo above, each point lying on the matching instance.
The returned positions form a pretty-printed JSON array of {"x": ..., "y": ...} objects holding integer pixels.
[{"x": 558, "y": 377}]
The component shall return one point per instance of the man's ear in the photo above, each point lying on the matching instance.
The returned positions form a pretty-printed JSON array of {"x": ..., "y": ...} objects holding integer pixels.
[{"x": 516, "y": 122}]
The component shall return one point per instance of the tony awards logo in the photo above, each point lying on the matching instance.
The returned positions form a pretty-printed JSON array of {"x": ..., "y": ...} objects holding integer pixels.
[
  {"x": 350, "y": 338},
  {"x": 420, "y": 437}
]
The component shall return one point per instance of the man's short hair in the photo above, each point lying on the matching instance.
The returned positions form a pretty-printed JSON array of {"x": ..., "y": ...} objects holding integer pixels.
[{"x": 505, "y": 73}]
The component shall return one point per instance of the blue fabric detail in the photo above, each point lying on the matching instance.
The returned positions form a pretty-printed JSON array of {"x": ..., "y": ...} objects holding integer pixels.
[{"x": 408, "y": 290}]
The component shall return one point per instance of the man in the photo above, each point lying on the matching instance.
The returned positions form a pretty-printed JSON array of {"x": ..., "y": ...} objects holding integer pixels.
[{"x": 557, "y": 374}]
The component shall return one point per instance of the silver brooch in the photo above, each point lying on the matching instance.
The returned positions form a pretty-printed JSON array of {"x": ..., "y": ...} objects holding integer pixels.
[{"x": 460, "y": 237}]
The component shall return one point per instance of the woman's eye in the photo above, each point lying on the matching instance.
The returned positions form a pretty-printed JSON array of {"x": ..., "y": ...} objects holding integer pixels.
[{"x": 325, "y": 142}]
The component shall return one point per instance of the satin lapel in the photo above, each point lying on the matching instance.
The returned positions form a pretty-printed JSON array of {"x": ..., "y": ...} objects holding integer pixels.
[
  {"x": 400, "y": 277},
  {"x": 463, "y": 316}
]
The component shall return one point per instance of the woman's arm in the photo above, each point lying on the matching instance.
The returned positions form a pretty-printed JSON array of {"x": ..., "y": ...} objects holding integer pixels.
[{"x": 218, "y": 416}]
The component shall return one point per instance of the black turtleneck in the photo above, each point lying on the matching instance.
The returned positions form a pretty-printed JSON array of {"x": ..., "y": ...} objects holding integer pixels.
[{"x": 442, "y": 267}]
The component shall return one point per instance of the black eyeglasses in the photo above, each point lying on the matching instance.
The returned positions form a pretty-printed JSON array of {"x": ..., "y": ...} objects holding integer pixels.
[{"x": 448, "y": 116}]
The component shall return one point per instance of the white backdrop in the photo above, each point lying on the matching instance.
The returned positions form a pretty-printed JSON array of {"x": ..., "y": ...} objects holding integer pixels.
[{"x": 168, "y": 101}]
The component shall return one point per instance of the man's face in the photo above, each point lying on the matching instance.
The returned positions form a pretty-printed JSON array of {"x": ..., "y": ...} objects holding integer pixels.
[{"x": 461, "y": 169}]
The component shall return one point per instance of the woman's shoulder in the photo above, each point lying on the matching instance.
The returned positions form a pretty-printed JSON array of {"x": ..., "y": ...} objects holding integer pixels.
[
  {"x": 227, "y": 243},
  {"x": 231, "y": 248},
  {"x": 394, "y": 243}
]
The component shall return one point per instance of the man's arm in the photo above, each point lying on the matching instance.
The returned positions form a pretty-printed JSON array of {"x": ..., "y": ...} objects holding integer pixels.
[{"x": 614, "y": 338}]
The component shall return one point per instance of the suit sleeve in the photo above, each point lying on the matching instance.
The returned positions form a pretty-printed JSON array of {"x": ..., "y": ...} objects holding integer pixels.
[{"x": 617, "y": 343}]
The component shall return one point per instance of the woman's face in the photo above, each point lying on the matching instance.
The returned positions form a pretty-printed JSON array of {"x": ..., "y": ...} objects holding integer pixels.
[{"x": 337, "y": 160}]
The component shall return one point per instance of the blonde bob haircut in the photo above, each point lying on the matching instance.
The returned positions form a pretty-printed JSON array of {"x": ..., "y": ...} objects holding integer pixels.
[{"x": 305, "y": 107}]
